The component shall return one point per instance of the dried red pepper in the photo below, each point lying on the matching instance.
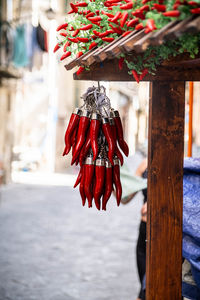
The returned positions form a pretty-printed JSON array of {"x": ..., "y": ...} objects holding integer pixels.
[
  {"x": 82, "y": 185},
  {"x": 120, "y": 135},
  {"x": 114, "y": 132},
  {"x": 73, "y": 123},
  {"x": 99, "y": 182},
  {"x": 117, "y": 182},
  {"x": 82, "y": 129},
  {"x": 94, "y": 132},
  {"x": 62, "y": 26},
  {"x": 108, "y": 184},
  {"x": 85, "y": 149},
  {"x": 65, "y": 55},
  {"x": 172, "y": 13},
  {"x": 89, "y": 174},
  {"x": 86, "y": 27}
]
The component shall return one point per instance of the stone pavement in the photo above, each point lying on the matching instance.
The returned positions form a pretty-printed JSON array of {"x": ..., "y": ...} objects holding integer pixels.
[{"x": 51, "y": 248}]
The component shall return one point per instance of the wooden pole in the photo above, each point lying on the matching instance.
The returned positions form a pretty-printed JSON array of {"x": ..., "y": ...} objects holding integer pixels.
[
  {"x": 165, "y": 190},
  {"x": 191, "y": 85}
]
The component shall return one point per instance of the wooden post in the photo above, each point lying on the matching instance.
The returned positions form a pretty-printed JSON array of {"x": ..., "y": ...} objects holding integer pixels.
[
  {"x": 191, "y": 84},
  {"x": 165, "y": 190}
]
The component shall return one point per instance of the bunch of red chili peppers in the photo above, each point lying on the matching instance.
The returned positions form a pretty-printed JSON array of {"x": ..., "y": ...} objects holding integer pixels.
[{"x": 95, "y": 135}]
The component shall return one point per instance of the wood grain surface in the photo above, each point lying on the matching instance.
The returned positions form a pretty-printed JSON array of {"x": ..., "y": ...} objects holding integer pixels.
[{"x": 165, "y": 190}]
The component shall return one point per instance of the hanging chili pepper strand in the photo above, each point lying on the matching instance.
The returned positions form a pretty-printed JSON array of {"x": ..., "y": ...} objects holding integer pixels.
[
  {"x": 82, "y": 130},
  {"x": 85, "y": 149},
  {"x": 120, "y": 135},
  {"x": 117, "y": 182},
  {"x": 94, "y": 132},
  {"x": 78, "y": 179},
  {"x": 99, "y": 181},
  {"x": 81, "y": 186},
  {"x": 114, "y": 132},
  {"x": 89, "y": 174},
  {"x": 108, "y": 185},
  {"x": 73, "y": 123},
  {"x": 109, "y": 138}
]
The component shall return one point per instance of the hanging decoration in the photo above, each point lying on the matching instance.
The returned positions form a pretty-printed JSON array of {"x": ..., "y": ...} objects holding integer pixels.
[
  {"x": 95, "y": 23},
  {"x": 94, "y": 133}
]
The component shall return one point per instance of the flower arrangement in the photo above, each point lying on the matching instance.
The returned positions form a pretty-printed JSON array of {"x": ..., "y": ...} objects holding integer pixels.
[{"x": 96, "y": 22}]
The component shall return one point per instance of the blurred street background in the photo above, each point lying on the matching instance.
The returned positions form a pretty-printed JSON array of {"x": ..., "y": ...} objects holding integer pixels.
[{"x": 51, "y": 247}]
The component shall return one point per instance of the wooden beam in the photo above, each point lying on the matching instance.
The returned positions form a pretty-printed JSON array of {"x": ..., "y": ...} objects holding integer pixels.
[
  {"x": 190, "y": 123},
  {"x": 109, "y": 71},
  {"x": 165, "y": 190}
]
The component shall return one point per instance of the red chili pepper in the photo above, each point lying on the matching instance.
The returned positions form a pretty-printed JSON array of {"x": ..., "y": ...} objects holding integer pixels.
[
  {"x": 92, "y": 45},
  {"x": 79, "y": 54},
  {"x": 57, "y": 46},
  {"x": 82, "y": 39},
  {"x": 75, "y": 32},
  {"x": 94, "y": 132},
  {"x": 82, "y": 185},
  {"x": 95, "y": 19},
  {"x": 133, "y": 22},
  {"x": 106, "y": 33},
  {"x": 73, "y": 123},
  {"x": 118, "y": 30},
  {"x": 135, "y": 75},
  {"x": 96, "y": 32},
  {"x": 108, "y": 185},
  {"x": 195, "y": 10},
  {"x": 80, "y": 70},
  {"x": 114, "y": 132},
  {"x": 75, "y": 9},
  {"x": 144, "y": 73},
  {"x": 151, "y": 25},
  {"x": 73, "y": 139},
  {"x": 63, "y": 34},
  {"x": 108, "y": 39},
  {"x": 107, "y": 14},
  {"x": 89, "y": 175},
  {"x": 117, "y": 182},
  {"x": 67, "y": 44},
  {"x": 127, "y": 6},
  {"x": 123, "y": 19},
  {"x": 139, "y": 26},
  {"x": 144, "y": 8},
  {"x": 172, "y": 13},
  {"x": 70, "y": 12},
  {"x": 160, "y": 7},
  {"x": 120, "y": 135},
  {"x": 63, "y": 26},
  {"x": 86, "y": 27},
  {"x": 120, "y": 63},
  {"x": 109, "y": 138},
  {"x": 67, "y": 54},
  {"x": 73, "y": 40},
  {"x": 91, "y": 14},
  {"x": 117, "y": 16},
  {"x": 126, "y": 33},
  {"x": 99, "y": 184},
  {"x": 82, "y": 129},
  {"x": 81, "y": 4},
  {"x": 139, "y": 14},
  {"x": 85, "y": 149},
  {"x": 78, "y": 179},
  {"x": 193, "y": 3}
]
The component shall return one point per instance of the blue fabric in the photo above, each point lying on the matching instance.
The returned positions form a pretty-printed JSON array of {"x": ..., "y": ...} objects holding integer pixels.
[{"x": 191, "y": 218}]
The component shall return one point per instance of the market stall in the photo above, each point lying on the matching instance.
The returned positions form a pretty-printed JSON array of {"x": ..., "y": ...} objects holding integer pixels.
[{"x": 165, "y": 142}]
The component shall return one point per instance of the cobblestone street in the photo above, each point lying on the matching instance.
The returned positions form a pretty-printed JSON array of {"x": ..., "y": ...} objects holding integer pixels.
[{"x": 54, "y": 249}]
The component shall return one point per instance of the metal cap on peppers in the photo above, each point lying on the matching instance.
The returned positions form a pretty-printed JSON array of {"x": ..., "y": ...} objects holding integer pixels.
[
  {"x": 96, "y": 116},
  {"x": 108, "y": 164},
  {"x": 77, "y": 111},
  {"x": 116, "y": 161},
  {"x": 105, "y": 120},
  {"x": 85, "y": 113},
  {"x": 114, "y": 114},
  {"x": 89, "y": 161},
  {"x": 100, "y": 162}
]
